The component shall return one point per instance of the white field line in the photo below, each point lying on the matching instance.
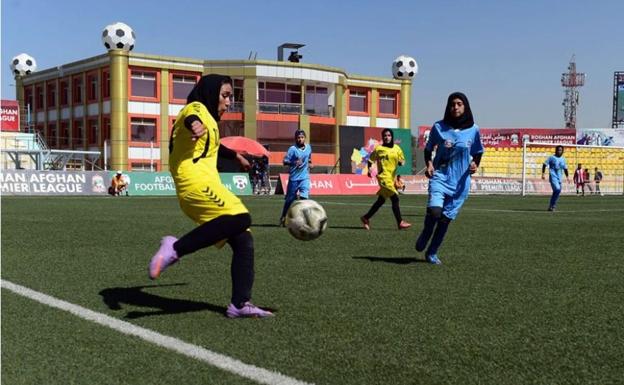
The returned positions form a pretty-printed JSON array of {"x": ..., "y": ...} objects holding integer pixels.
[
  {"x": 481, "y": 209},
  {"x": 260, "y": 375}
]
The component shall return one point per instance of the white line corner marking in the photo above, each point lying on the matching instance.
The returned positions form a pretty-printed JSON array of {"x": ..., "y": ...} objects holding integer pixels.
[{"x": 260, "y": 375}]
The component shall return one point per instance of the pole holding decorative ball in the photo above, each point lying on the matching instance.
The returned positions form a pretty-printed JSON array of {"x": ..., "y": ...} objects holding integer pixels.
[
  {"x": 405, "y": 68},
  {"x": 119, "y": 40}
]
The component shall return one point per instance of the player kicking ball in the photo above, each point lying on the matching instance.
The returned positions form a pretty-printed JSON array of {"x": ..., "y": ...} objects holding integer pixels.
[
  {"x": 458, "y": 146},
  {"x": 220, "y": 215},
  {"x": 556, "y": 163}
]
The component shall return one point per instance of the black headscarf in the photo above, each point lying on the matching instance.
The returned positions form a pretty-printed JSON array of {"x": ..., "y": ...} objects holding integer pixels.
[
  {"x": 206, "y": 91},
  {"x": 391, "y": 144},
  {"x": 464, "y": 121}
]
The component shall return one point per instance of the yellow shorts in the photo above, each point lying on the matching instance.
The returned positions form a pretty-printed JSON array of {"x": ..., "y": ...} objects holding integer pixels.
[
  {"x": 205, "y": 204},
  {"x": 386, "y": 188}
]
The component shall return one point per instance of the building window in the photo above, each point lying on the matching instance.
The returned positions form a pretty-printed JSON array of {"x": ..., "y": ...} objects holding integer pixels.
[
  {"x": 182, "y": 85},
  {"x": 92, "y": 131},
  {"x": 279, "y": 98},
  {"x": 77, "y": 89},
  {"x": 52, "y": 134},
  {"x": 64, "y": 134},
  {"x": 51, "y": 95},
  {"x": 239, "y": 92},
  {"x": 317, "y": 101},
  {"x": 28, "y": 97},
  {"x": 39, "y": 97},
  {"x": 78, "y": 138},
  {"x": 358, "y": 101},
  {"x": 143, "y": 84},
  {"x": 279, "y": 92},
  {"x": 142, "y": 130},
  {"x": 388, "y": 103},
  {"x": 64, "y": 92},
  {"x": 105, "y": 84},
  {"x": 144, "y": 166},
  {"x": 92, "y": 87}
]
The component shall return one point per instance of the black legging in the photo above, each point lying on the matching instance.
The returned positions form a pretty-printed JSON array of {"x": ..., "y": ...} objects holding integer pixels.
[
  {"x": 396, "y": 210},
  {"x": 234, "y": 229}
]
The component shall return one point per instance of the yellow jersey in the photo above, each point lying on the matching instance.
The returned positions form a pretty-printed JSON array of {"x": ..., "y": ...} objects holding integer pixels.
[
  {"x": 194, "y": 163},
  {"x": 387, "y": 159},
  {"x": 193, "y": 166}
]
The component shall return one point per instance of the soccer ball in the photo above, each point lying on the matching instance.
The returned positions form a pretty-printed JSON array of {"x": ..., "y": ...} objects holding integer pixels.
[
  {"x": 23, "y": 64},
  {"x": 118, "y": 36},
  {"x": 404, "y": 67},
  {"x": 306, "y": 220}
]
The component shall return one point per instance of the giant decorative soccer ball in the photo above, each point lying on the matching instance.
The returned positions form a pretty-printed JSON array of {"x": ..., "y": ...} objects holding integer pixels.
[
  {"x": 23, "y": 64},
  {"x": 118, "y": 36},
  {"x": 306, "y": 220},
  {"x": 404, "y": 67}
]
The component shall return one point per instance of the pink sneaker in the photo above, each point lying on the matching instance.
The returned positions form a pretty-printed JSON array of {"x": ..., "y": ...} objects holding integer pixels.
[
  {"x": 404, "y": 225},
  {"x": 365, "y": 222},
  {"x": 164, "y": 257},
  {"x": 249, "y": 310}
]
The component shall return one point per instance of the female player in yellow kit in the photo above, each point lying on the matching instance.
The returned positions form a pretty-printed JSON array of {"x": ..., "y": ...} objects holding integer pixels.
[
  {"x": 388, "y": 157},
  {"x": 220, "y": 215}
]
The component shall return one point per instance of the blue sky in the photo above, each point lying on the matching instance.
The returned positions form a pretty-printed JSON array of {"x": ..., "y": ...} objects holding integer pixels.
[{"x": 507, "y": 56}]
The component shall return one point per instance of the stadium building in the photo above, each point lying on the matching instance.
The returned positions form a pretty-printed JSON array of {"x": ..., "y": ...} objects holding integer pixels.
[{"x": 123, "y": 104}]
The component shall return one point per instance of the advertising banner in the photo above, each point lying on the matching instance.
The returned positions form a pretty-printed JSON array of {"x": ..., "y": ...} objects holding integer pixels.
[
  {"x": 28, "y": 182},
  {"x": 9, "y": 115},
  {"x": 600, "y": 136},
  {"x": 161, "y": 183},
  {"x": 337, "y": 184},
  {"x": 349, "y": 184},
  {"x": 32, "y": 182},
  {"x": 415, "y": 184},
  {"x": 320, "y": 184},
  {"x": 618, "y": 94},
  {"x": 512, "y": 137},
  {"x": 238, "y": 183}
]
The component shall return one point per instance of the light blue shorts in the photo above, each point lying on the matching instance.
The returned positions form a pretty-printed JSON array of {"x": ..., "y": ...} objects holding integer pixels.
[{"x": 303, "y": 186}]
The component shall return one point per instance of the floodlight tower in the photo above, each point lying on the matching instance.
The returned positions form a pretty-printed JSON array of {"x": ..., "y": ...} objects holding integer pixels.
[{"x": 571, "y": 81}]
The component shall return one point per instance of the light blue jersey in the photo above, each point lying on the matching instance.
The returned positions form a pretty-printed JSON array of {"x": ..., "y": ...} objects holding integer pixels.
[
  {"x": 298, "y": 172},
  {"x": 556, "y": 166},
  {"x": 450, "y": 184}
]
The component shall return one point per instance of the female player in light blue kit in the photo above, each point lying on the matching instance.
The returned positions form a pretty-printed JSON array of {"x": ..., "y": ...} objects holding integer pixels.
[
  {"x": 299, "y": 160},
  {"x": 458, "y": 147},
  {"x": 555, "y": 163}
]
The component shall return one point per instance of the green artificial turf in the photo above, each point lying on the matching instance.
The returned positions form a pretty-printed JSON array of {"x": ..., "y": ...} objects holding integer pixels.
[{"x": 523, "y": 295}]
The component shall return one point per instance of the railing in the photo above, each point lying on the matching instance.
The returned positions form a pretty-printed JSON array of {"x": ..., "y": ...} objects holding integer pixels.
[
  {"x": 279, "y": 108},
  {"x": 329, "y": 111},
  {"x": 284, "y": 108},
  {"x": 237, "y": 107}
]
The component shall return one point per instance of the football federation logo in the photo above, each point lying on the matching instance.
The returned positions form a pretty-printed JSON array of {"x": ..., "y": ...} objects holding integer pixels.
[
  {"x": 448, "y": 143},
  {"x": 240, "y": 182}
]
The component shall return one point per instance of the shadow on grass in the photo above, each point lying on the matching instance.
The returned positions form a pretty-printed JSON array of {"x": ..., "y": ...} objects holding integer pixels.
[
  {"x": 397, "y": 260},
  {"x": 347, "y": 227},
  {"x": 265, "y": 225},
  {"x": 135, "y": 296}
]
